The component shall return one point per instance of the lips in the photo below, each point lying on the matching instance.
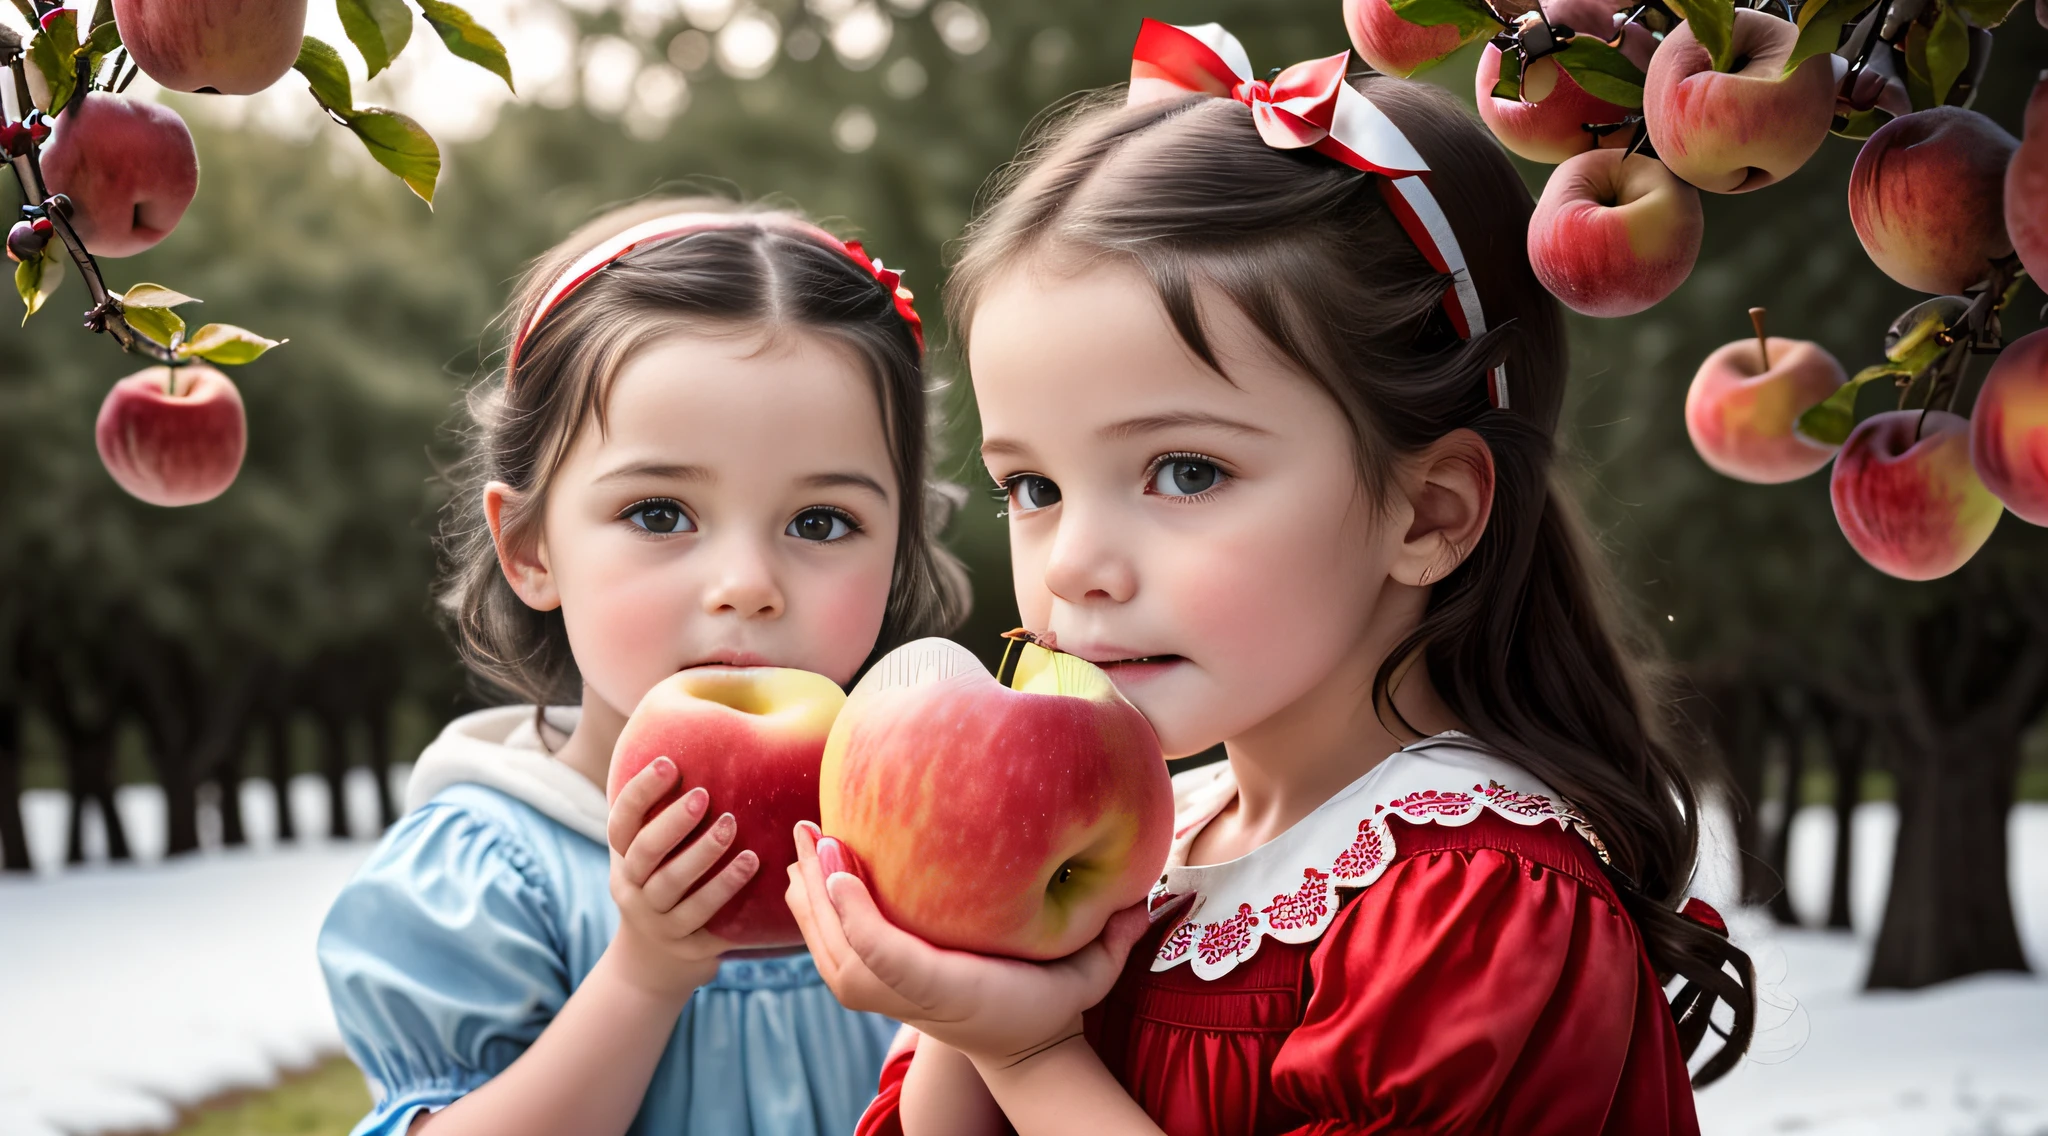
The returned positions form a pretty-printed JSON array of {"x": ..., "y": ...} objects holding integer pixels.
[{"x": 730, "y": 659}]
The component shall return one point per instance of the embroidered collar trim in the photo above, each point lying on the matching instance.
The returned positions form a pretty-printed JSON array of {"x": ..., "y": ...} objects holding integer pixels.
[{"x": 1286, "y": 888}]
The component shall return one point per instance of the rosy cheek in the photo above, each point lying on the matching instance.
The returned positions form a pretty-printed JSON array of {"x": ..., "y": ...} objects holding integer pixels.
[
  {"x": 844, "y": 618},
  {"x": 623, "y": 622}
]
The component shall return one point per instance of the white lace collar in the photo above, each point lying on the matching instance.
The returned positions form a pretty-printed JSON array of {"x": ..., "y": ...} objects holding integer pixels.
[{"x": 1286, "y": 888}]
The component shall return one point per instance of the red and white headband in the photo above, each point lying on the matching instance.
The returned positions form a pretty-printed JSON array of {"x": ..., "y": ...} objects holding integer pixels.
[
  {"x": 678, "y": 225},
  {"x": 1310, "y": 106}
]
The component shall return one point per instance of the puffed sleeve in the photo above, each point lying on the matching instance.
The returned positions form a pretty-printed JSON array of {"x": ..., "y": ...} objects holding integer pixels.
[
  {"x": 443, "y": 961},
  {"x": 1465, "y": 991}
]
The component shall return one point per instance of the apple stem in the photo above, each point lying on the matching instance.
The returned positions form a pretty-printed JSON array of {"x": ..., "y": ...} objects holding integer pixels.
[{"x": 1763, "y": 344}]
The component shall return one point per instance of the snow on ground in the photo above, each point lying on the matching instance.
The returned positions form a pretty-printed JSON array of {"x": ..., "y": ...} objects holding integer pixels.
[{"x": 128, "y": 992}]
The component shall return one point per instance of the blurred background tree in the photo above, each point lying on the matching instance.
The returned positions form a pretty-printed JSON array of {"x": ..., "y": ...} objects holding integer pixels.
[{"x": 297, "y": 604}]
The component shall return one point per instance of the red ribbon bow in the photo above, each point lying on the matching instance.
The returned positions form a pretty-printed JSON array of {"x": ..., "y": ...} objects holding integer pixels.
[{"x": 891, "y": 280}]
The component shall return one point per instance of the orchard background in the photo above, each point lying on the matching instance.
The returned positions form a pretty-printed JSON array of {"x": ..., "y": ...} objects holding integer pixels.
[{"x": 285, "y": 627}]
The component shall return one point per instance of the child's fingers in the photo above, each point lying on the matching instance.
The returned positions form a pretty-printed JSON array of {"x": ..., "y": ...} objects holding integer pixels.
[
  {"x": 827, "y": 940},
  {"x": 662, "y": 834},
  {"x": 698, "y": 908},
  {"x": 896, "y": 958},
  {"x": 629, "y": 812},
  {"x": 665, "y": 888}
]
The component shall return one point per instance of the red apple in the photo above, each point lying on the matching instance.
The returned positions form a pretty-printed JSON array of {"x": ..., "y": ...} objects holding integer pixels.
[
  {"x": 2026, "y": 187},
  {"x": 1731, "y": 132},
  {"x": 1548, "y": 123},
  {"x": 2009, "y": 428},
  {"x": 1393, "y": 45},
  {"x": 1906, "y": 496},
  {"x": 751, "y": 736},
  {"x": 1741, "y": 414},
  {"x": 1927, "y": 198},
  {"x": 1612, "y": 236},
  {"x": 219, "y": 47},
  {"x": 173, "y": 446},
  {"x": 129, "y": 168},
  {"x": 1005, "y": 821}
]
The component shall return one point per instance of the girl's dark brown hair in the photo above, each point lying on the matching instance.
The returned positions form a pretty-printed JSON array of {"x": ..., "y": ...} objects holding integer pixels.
[
  {"x": 762, "y": 274},
  {"x": 1523, "y": 639}
]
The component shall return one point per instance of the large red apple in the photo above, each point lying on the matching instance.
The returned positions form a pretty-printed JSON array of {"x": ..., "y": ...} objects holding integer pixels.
[
  {"x": 1927, "y": 198},
  {"x": 1611, "y": 235},
  {"x": 1741, "y": 414},
  {"x": 1005, "y": 821},
  {"x": 1393, "y": 45},
  {"x": 129, "y": 168},
  {"x": 173, "y": 438},
  {"x": 219, "y": 47},
  {"x": 1906, "y": 496},
  {"x": 2009, "y": 428},
  {"x": 752, "y": 737},
  {"x": 1548, "y": 123},
  {"x": 2026, "y": 188},
  {"x": 1731, "y": 132}
]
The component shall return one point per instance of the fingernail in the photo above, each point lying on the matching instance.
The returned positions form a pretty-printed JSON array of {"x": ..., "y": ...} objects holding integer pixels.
[
  {"x": 832, "y": 856},
  {"x": 747, "y": 860},
  {"x": 662, "y": 767},
  {"x": 696, "y": 801},
  {"x": 724, "y": 829},
  {"x": 812, "y": 829}
]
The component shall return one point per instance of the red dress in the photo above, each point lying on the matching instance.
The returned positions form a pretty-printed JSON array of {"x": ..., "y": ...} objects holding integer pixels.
[{"x": 1459, "y": 964}]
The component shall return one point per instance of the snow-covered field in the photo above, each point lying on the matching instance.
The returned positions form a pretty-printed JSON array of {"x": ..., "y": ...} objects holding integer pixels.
[{"x": 127, "y": 993}]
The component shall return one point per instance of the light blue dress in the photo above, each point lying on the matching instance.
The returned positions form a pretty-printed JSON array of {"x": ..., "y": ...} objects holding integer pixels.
[{"x": 477, "y": 915}]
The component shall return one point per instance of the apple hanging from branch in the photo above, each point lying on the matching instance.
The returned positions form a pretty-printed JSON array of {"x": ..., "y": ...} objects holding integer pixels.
[{"x": 1744, "y": 405}]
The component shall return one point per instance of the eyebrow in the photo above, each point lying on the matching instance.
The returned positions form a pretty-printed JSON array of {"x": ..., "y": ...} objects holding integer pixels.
[
  {"x": 1153, "y": 423},
  {"x": 848, "y": 481},
  {"x": 660, "y": 470}
]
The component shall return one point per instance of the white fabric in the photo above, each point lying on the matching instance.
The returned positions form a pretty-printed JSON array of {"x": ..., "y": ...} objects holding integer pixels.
[
  {"x": 501, "y": 748},
  {"x": 1286, "y": 888}
]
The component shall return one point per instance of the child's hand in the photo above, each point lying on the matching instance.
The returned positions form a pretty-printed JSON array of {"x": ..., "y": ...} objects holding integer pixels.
[
  {"x": 993, "y": 1009},
  {"x": 661, "y": 943}
]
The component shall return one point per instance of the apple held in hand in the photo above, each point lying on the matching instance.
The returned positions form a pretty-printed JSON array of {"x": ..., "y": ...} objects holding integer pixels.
[
  {"x": 1004, "y": 821},
  {"x": 1746, "y": 400},
  {"x": 2026, "y": 187},
  {"x": 1548, "y": 123},
  {"x": 2009, "y": 428},
  {"x": 1612, "y": 236},
  {"x": 751, "y": 737},
  {"x": 1731, "y": 132},
  {"x": 1393, "y": 45},
  {"x": 1906, "y": 496},
  {"x": 1927, "y": 198},
  {"x": 173, "y": 437},
  {"x": 218, "y": 47},
  {"x": 129, "y": 168}
]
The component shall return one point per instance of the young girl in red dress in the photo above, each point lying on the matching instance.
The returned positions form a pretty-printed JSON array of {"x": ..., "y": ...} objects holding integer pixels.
[{"x": 1272, "y": 392}]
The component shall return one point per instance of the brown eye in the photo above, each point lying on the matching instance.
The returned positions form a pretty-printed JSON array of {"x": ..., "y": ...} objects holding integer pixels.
[
  {"x": 821, "y": 525},
  {"x": 660, "y": 517}
]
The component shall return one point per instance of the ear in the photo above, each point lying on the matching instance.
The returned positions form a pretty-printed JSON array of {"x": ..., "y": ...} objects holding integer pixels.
[
  {"x": 525, "y": 563},
  {"x": 1449, "y": 491}
]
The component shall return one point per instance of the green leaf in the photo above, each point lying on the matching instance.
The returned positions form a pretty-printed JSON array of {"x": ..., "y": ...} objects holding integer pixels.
[
  {"x": 104, "y": 40},
  {"x": 1471, "y": 17},
  {"x": 1830, "y": 421},
  {"x": 1820, "y": 28},
  {"x": 323, "y": 68},
  {"x": 1603, "y": 71},
  {"x": 380, "y": 29},
  {"x": 1987, "y": 13},
  {"x": 402, "y": 146},
  {"x": 1919, "y": 80},
  {"x": 1948, "y": 51},
  {"x": 1510, "y": 85},
  {"x": 470, "y": 40},
  {"x": 37, "y": 279},
  {"x": 160, "y": 324},
  {"x": 155, "y": 296},
  {"x": 1713, "y": 25},
  {"x": 226, "y": 344},
  {"x": 53, "y": 54}
]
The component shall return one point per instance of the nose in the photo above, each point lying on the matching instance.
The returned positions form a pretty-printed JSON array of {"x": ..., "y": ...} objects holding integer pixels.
[
  {"x": 1088, "y": 564},
  {"x": 743, "y": 581}
]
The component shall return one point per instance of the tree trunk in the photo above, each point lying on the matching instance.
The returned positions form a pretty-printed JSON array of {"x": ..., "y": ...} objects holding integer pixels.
[
  {"x": 277, "y": 732},
  {"x": 1950, "y": 909},
  {"x": 1847, "y": 735},
  {"x": 378, "y": 725},
  {"x": 13, "y": 833},
  {"x": 1736, "y": 721},
  {"x": 1966, "y": 680},
  {"x": 1785, "y": 741},
  {"x": 92, "y": 782},
  {"x": 334, "y": 767},
  {"x": 228, "y": 775}
]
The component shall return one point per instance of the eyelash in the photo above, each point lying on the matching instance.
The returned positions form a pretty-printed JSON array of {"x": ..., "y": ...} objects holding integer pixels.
[
  {"x": 626, "y": 517},
  {"x": 1152, "y": 471}
]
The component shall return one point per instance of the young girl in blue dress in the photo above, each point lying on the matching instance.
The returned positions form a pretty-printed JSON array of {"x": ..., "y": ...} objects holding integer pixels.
[{"x": 707, "y": 448}]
